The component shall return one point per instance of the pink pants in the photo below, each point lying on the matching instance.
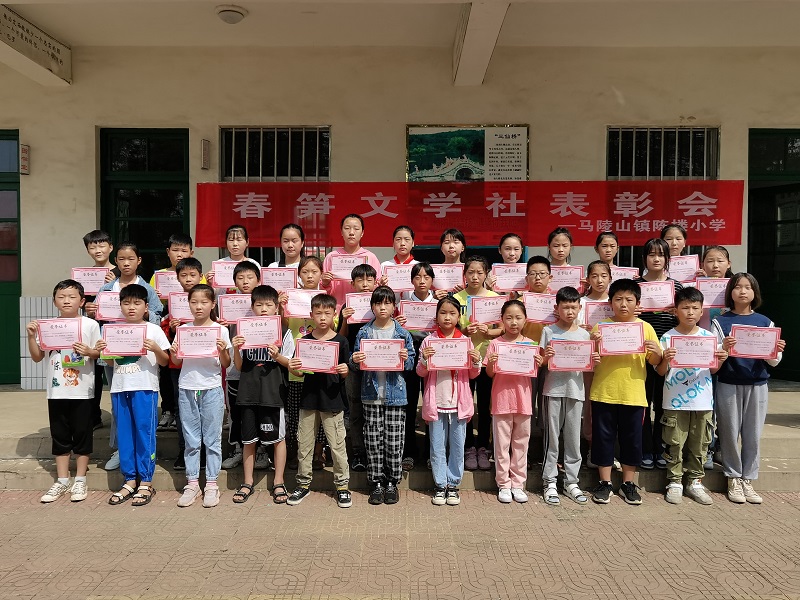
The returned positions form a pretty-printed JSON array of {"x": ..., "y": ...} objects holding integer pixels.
[{"x": 511, "y": 433}]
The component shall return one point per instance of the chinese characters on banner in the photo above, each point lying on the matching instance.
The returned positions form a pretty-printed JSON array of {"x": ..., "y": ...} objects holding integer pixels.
[{"x": 711, "y": 211}]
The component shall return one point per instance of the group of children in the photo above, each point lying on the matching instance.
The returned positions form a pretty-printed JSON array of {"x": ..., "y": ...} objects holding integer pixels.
[{"x": 272, "y": 401}]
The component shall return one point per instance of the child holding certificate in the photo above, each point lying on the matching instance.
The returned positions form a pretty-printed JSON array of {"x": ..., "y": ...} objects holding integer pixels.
[
  {"x": 511, "y": 249},
  {"x": 741, "y": 393},
  {"x": 688, "y": 397},
  {"x": 134, "y": 394},
  {"x": 618, "y": 394},
  {"x": 383, "y": 395},
  {"x": 511, "y": 407},
  {"x": 447, "y": 403},
  {"x": 200, "y": 398},
  {"x": 236, "y": 242},
  {"x": 70, "y": 387},
  {"x": 335, "y": 283},
  {"x": 293, "y": 241},
  {"x": 453, "y": 245}
]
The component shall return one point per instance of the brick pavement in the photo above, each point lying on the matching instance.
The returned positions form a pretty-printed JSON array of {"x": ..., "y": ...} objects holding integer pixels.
[{"x": 316, "y": 551}]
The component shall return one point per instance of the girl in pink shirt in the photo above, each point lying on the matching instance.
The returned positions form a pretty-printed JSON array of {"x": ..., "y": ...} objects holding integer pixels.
[{"x": 352, "y": 232}]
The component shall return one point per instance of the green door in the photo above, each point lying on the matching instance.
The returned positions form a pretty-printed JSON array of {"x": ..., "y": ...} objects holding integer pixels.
[{"x": 10, "y": 287}]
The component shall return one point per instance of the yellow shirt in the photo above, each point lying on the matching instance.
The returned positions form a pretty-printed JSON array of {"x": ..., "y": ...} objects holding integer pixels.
[
  {"x": 533, "y": 331},
  {"x": 479, "y": 341}
]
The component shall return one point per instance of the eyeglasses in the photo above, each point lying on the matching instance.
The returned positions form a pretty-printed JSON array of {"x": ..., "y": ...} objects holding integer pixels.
[{"x": 539, "y": 275}]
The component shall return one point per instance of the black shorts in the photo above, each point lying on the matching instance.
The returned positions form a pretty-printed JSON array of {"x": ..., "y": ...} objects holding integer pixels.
[
  {"x": 265, "y": 424},
  {"x": 616, "y": 422},
  {"x": 71, "y": 425}
]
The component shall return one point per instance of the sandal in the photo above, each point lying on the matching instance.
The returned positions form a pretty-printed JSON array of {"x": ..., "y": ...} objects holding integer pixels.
[
  {"x": 576, "y": 494},
  {"x": 243, "y": 493},
  {"x": 279, "y": 497},
  {"x": 551, "y": 495},
  {"x": 120, "y": 497},
  {"x": 144, "y": 498}
]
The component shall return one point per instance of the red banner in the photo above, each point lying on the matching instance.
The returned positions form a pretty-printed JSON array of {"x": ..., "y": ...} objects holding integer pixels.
[{"x": 711, "y": 211}]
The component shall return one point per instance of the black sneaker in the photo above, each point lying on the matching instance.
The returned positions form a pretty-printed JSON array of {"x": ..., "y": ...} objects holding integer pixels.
[
  {"x": 296, "y": 497},
  {"x": 602, "y": 493},
  {"x": 359, "y": 462},
  {"x": 344, "y": 499},
  {"x": 439, "y": 497},
  {"x": 377, "y": 494},
  {"x": 179, "y": 464},
  {"x": 392, "y": 494},
  {"x": 628, "y": 493},
  {"x": 453, "y": 497}
]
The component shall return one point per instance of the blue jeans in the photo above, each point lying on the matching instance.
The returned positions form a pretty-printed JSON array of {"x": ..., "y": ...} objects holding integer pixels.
[
  {"x": 447, "y": 470},
  {"x": 201, "y": 422},
  {"x": 136, "y": 417}
]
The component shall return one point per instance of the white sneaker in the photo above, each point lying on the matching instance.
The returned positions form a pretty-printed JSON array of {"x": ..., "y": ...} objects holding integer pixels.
[
  {"x": 113, "y": 462},
  {"x": 674, "y": 493},
  {"x": 78, "y": 491},
  {"x": 749, "y": 493},
  {"x": 164, "y": 421},
  {"x": 211, "y": 497},
  {"x": 262, "y": 458},
  {"x": 519, "y": 495},
  {"x": 54, "y": 493},
  {"x": 697, "y": 492},
  {"x": 735, "y": 491},
  {"x": 190, "y": 494},
  {"x": 504, "y": 495},
  {"x": 234, "y": 460}
]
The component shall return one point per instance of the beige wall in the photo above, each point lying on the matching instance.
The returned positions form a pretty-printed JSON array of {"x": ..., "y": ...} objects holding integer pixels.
[{"x": 568, "y": 96}]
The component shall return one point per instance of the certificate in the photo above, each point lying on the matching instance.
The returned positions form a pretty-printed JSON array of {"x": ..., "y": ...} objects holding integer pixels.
[
  {"x": 233, "y": 307},
  {"x": 59, "y": 334},
  {"x": 166, "y": 283},
  {"x": 451, "y": 354},
  {"x": 420, "y": 316},
  {"x": 621, "y": 338},
  {"x": 516, "y": 359},
  {"x": 342, "y": 265},
  {"x": 360, "y": 303},
  {"x": 486, "y": 309},
  {"x": 260, "y": 332},
  {"x": 624, "y": 273},
  {"x": 298, "y": 304},
  {"x": 565, "y": 276},
  {"x": 540, "y": 308},
  {"x": 399, "y": 277},
  {"x": 694, "y": 352},
  {"x": 755, "y": 342},
  {"x": 179, "y": 307},
  {"x": 108, "y": 308},
  {"x": 382, "y": 355},
  {"x": 124, "y": 340},
  {"x": 713, "y": 291},
  {"x": 317, "y": 356},
  {"x": 91, "y": 278},
  {"x": 280, "y": 278},
  {"x": 597, "y": 311},
  {"x": 684, "y": 268},
  {"x": 571, "y": 355},
  {"x": 223, "y": 273},
  {"x": 510, "y": 277},
  {"x": 657, "y": 295},
  {"x": 197, "y": 342},
  {"x": 446, "y": 277}
]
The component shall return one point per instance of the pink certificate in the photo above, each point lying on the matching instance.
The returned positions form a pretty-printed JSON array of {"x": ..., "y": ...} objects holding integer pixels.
[
  {"x": 124, "y": 340},
  {"x": 420, "y": 316},
  {"x": 451, "y": 354},
  {"x": 382, "y": 355},
  {"x": 755, "y": 342},
  {"x": 399, "y": 277},
  {"x": 684, "y": 268},
  {"x": 280, "y": 278},
  {"x": 571, "y": 355},
  {"x": 223, "y": 273},
  {"x": 624, "y": 273},
  {"x": 317, "y": 356},
  {"x": 516, "y": 359},
  {"x": 59, "y": 334},
  {"x": 621, "y": 338},
  {"x": 486, "y": 309},
  {"x": 540, "y": 308},
  {"x": 91, "y": 278},
  {"x": 179, "y": 307},
  {"x": 694, "y": 352},
  {"x": 657, "y": 295},
  {"x": 108, "y": 308},
  {"x": 597, "y": 311},
  {"x": 342, "y": 265},
  {"x": 713, "y": 291},
  {"x": 511, "y": 277},
  {"x": 260, "y": 332},
  {"x": 360, "y": 303},
  {"x": 565, "y": 276},
  {"x": 166, "y": 283},
  {"x": 446, "y": 277},
  {"x": 197, "y": 342},
  {"x": 298, "y": 305},
  {"x": 233, "y": 307}
]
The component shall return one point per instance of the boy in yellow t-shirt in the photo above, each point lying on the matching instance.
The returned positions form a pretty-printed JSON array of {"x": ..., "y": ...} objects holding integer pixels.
[{"x": 618, "y": 398}]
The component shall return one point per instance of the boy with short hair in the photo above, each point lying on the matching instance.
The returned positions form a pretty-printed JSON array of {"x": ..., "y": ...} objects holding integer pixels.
[
  {"x": 323, "y": 399},
  {"x": 687, "y": 419},
  {"x": 70, "y": 390},
  {"x": 618, "y": 398}
]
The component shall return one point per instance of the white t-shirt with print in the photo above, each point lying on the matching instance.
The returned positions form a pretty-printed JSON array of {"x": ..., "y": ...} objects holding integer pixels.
[
  {"x": 203, "y": 373},
  {"x": 687, "y": 388},
  {"x": 70, "y": 375},
  {"x": 139, "y": 373}
]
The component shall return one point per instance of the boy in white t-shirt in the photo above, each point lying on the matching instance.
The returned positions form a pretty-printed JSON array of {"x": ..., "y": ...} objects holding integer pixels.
[
  {"x": 70, "y": 390},
  {"x": 134, "y": 400},
  {"x": 688, "y": 404}
]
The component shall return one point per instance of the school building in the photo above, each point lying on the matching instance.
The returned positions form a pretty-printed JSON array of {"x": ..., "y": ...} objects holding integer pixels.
[{"x": 116, "y": 110}]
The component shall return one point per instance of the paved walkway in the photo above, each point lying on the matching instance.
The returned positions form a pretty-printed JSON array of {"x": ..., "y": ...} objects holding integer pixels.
[{"x": 481, "y": 549}]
